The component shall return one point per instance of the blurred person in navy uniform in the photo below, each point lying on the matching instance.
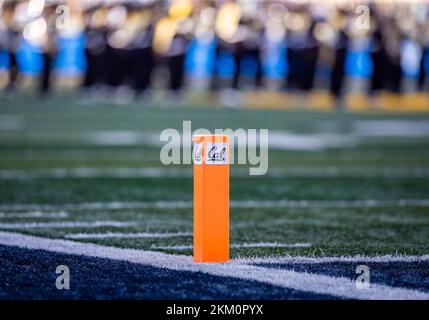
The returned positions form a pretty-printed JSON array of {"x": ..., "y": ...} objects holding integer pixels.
[
  {"x": 140, "y": 48},
  {"x": 302, "y": 50},
  {"x": 117, "y": 65},
  {"x": 378, "y": 53},
  {"x": 386, "y": 42},
  {"x": 95, "y": 45},
  {"x": 332, "y": 32},
  {"x": 340, "y": 46},
  {"x": 393, "y": 38},
  {"x": 48, "y": 45},
  {"x": 10, "y": 37},
  {"x": 247, "y": 45}
]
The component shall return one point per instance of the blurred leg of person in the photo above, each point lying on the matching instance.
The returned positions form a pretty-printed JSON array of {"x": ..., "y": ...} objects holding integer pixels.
[
  {"x": 96, "y": 58},
  {"x": 142, "y": 62},
  {"x": 256, "y": 55},
  {"x": 221, "y": 50},
  {"x": 337, "y": 74},
  {"x": 238, "y": 56},
  {"x": 45, "y": 84},
  {"x": 421, "y": 81},
  {"x": 378, "y": 59},
  {"x": 117, "y": 67},
  {"x": 13, "y": 71},
  {"x": 214, "y": 81},
  {"x": 396, "y": 78},
  {"x": 310, "y": 57},
  {"x": 295, "y": 68},
  {"x": 90, "y": 70},
  {"x": 176, "y": 65},
  {"x": 393, "y": 74}
]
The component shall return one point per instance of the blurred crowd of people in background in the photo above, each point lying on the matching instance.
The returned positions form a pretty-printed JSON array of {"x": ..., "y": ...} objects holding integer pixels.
[{"x": 294, "y": 45}]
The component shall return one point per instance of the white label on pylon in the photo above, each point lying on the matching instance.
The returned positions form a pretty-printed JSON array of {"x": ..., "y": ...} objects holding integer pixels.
[
  {"x": 216, "y": 153},
  {"x": 198, "y": 153}
]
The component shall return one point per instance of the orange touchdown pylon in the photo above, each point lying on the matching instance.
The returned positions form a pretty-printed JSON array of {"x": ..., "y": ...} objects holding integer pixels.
[{"x": 211, "y": 198}]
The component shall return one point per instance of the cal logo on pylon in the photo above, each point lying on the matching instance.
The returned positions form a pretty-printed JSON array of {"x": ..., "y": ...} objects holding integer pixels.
[{"x": 211, "y": 198}]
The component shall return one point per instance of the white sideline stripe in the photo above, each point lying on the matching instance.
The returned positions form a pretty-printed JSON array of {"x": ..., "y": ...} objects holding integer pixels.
[
  {"x": 122, "y": 235},
  {"x": 241, "y": 245},
  {"x": 367, "y": 203},
  {"x": 320, "y": 284},
  {"x": 165, "y": 172},
  {"x": 59, "y": 225},
  {"x": 358, "y": 258},
  {"x": 33, "y": 214}
]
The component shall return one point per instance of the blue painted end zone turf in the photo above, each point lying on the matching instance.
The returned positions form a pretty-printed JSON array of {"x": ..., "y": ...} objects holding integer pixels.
[{"x": 30, "y": 274}]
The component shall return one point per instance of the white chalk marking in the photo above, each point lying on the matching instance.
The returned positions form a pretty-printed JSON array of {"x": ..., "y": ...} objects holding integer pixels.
[
  {"x": 123, "y": 138},
  {"x": 157, "y": 172},
  {"x": 240, "y": 245},
  {"x": 367, "y": 203},
  {"x": 70, "y": 224},
  {"x": 285, "y": 140},
  {"x": 33, "y": 215},
  {"x": 320, "y": 284},
  {"x": 122, "y": 235},
  {"x": 391, "y": 128}
]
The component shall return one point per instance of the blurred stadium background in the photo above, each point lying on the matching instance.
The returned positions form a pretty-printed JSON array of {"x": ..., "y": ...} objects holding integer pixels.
[{"x": 354, "y": 54}]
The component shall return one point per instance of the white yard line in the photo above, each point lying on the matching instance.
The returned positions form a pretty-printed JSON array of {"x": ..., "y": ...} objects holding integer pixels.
[
  {"x": 11, "y": 123},
  {"x": 68, "y": 224},
  {"x": 61, "y": 173},
  {"x": 123, "y": 235},
  {"x": 320, "y": 284},
  {"x": 101, "y": 205},
  {"x": 367, "y": 203},
  {"x": 286, "y": 140},
  {"x": 391, "y": 128},
  {"x": 33, "y": 215},
  {"x": 169, "y": 172},
  {"x": 240, "y": 245}
]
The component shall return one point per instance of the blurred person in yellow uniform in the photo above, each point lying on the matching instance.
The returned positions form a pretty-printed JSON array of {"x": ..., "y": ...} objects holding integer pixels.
[
  {"x": 172, "y": 36},
  {"x": 302, "y": 48},
  {"x": 118, "y": 39},
  {"x": 248, "y": 44},
  {"x": 239, "y": 32},
  {"x": 48, "y": 44},
  {"x": 141, "y": 19},
  {"x": 129, "y": 45}
]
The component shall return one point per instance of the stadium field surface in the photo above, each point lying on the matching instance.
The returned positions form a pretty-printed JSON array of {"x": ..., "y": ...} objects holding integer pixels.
[{"x": 83, "y": 186}]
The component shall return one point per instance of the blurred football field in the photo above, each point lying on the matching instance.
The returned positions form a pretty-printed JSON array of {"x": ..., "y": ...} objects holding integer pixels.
[{"x": 338, "y": 183}]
